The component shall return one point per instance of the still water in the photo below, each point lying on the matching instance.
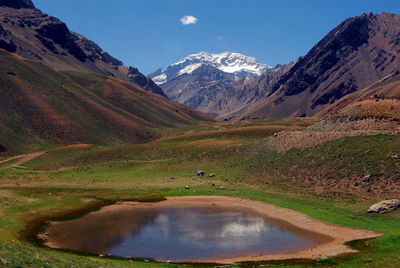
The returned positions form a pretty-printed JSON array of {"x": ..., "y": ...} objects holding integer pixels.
[{"x": 180, "y": 233}]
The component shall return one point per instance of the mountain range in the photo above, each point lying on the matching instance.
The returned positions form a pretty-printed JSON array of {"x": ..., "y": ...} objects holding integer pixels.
[
  {"x": 58, "y": 87},
  {"x": 357, "y": 53},
  {"x": 240, "y": 66},
  {"x": 210, "y": 82}
]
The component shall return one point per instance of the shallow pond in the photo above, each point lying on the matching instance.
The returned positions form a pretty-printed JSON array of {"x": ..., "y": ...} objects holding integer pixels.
[{"x": 180, "y": 233}]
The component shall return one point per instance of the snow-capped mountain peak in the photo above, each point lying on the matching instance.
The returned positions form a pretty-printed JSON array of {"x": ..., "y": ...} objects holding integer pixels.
[{"x": 235, "y": 63}]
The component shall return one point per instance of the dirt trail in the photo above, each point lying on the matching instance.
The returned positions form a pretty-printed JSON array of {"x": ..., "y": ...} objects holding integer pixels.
[
  {"x": 10, "y": 159},
  {"x": 28, "y": 157},
  {"x": 22, "y": 159}
]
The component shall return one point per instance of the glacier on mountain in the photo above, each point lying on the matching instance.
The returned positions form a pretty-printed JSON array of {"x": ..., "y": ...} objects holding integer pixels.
[{"x": 234, "y": 63}]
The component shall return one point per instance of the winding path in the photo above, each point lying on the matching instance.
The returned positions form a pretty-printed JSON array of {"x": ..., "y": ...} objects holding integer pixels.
[{"x": 23, "y": 158}]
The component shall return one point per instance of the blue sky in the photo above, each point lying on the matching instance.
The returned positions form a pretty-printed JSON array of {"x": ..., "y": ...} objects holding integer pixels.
[{"x": 148, "y": 34}]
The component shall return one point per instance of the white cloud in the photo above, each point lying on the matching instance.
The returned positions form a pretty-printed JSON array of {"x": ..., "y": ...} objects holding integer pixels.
[{"x": 189, "y": 20}]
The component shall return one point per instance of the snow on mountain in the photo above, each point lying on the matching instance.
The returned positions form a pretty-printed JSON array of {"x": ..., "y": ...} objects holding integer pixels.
[
  {"x": 234, "y": 63},
  {"x": 189, "y": 69}
]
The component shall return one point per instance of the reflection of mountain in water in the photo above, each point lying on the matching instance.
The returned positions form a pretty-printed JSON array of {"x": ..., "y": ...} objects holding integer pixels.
[
  {"x": 195, "y": 233},
  {"x": 180, "y": 233},
  {"x": 206, "y": 224}
]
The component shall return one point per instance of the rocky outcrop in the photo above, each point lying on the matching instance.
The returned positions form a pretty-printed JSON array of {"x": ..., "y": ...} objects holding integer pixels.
[
  {"x": 385, "y": 206},
  {"x": 17, "y": 3},
  {"x": 5, "y": 43},
  {"x": 94, "y": 52},
  {"x": 143, "y": 81},
  {"x": 53, "y": 32}
]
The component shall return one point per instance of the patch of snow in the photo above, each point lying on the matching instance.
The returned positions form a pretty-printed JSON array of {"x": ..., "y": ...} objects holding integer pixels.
[
  {"x": 189, "y": 69},
  {"x": 160, "y": 79}
]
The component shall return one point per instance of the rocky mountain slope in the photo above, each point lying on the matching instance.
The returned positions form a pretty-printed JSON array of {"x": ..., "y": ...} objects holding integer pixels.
[
  {"x": 357, "y": 53},
  {"x": 380, "y": 100},
  {"x": 217, "y": 84},
  {"x": 59, "y": 88},
  {"x": 26, "y": 31},
  {"x": 41, "y": 107}
]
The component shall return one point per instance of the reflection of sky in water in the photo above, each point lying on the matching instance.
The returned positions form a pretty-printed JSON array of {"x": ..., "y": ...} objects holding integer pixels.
[{"x": 196, "y": 233}]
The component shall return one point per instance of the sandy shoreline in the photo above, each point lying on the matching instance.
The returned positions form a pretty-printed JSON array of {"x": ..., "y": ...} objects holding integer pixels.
[{"x": 335, "y": 246}]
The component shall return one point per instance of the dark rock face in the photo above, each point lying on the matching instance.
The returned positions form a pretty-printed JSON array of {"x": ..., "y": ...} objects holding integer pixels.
[
  {"x": 94, "y": 52},
  {"x": 357, "y": 53},
  {"x": 49, "y": 44},
  {"x": 17, "y": 3},
  {"x": 2, "y": 148},
  {"x": 6, "y": 44},
  {"x": 58, "y": 32},
  {"x": 144, "y": 82},
  {"x": 9, "y": 46}
]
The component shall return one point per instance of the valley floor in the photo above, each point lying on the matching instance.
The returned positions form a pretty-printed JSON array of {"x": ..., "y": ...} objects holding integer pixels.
[{"x": 332, "y": 179}]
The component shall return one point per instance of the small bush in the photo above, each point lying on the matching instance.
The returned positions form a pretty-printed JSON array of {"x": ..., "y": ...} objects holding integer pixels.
[{"x": 324, "y": 260}]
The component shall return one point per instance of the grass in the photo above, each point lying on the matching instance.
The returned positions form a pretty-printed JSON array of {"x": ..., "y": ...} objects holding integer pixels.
[
  {"x": 68, "y": 181},
  {"x": 341, "y": 162}
]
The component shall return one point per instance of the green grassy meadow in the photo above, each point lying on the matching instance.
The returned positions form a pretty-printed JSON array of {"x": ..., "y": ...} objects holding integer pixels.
[{"x": 68, "y": 181}]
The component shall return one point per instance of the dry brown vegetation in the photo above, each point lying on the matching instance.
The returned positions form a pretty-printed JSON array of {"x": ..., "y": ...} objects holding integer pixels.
[
  {"x": 327, "y": 130},
  {"x": 385, "y": 108},
  {"x": 213, "y": 143}
]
